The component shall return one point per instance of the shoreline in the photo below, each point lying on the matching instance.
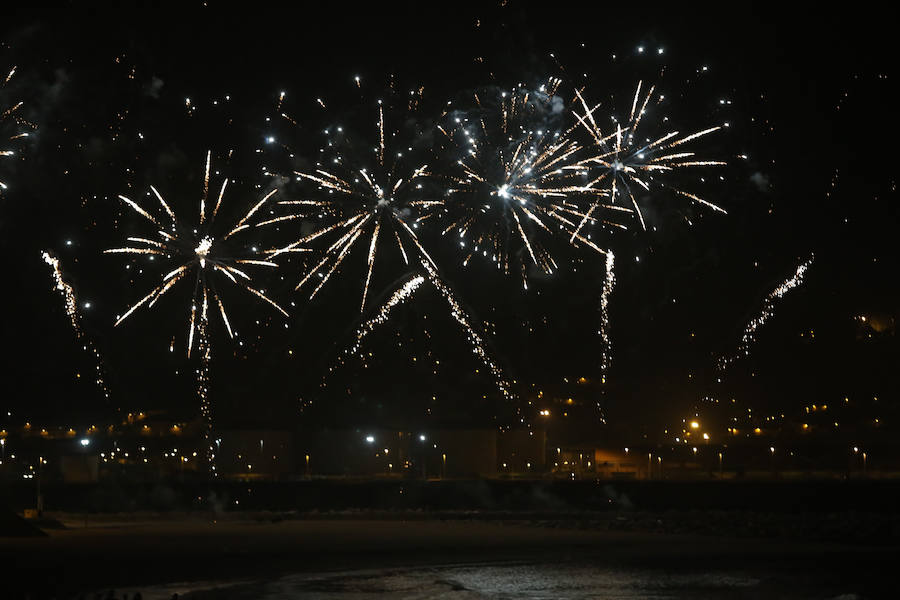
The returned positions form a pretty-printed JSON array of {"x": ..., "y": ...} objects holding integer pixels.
[{"x": 845, "y": 527}]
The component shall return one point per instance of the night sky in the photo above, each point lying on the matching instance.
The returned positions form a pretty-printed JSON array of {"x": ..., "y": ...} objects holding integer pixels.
[{"x": 805, "y": 94}]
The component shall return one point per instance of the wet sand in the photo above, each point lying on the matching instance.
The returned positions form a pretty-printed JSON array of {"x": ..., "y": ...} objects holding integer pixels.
[{"x": 324, "y": 559}]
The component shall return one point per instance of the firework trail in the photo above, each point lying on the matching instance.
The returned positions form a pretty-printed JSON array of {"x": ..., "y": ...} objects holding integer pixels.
[
  {"x": 404, "y": 292},
  {"x": 476, "y": 341},
  {"x": 71, "y": 304},
  {"x": 768, "y": 310},
  {"x": 609, "y": 283},
  {"x": 625, "y": 164},
  {"x": 516, "y": 184},
  {"x": 198, "y": 254},
  {"x": 401, "y": 295},
  {"x": 369, "y": 196},
  {"x": 203, "y": 382},
  {"x": 11, "y": 127}
]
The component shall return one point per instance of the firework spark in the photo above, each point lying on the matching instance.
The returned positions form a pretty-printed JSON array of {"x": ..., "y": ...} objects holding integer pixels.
[
  {"x": 768, "y": 310},
  {"x": 71, "y": 303},
  {"x": 626, "y": 164},
  {"x": 197, "y": 254},
  {"x": 12, "y": 126},
  {"x": 517, "y": 183},
  {"x": 367, "y": 196}
]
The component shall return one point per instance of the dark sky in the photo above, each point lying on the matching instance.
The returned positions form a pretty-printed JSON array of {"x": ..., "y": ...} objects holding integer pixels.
[{"x": 808, "y": 94}]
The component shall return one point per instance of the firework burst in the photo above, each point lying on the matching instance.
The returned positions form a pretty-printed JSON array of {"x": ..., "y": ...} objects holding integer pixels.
[
  {"x": 374, "y": 191},
  {"x": 516, "y": 185},
  {"x": 624, "y": 163},
  {"x": 12, "y": 127},
  {"x": 370, "y": 196},
  {"x": 198, "y": 256}
]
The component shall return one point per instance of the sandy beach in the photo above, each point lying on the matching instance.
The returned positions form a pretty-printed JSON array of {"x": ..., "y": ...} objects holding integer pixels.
[{"x": 361, "y": 558}]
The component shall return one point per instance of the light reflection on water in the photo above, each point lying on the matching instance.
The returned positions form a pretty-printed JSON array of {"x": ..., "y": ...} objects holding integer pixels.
[{"x": 464, "y": 582}]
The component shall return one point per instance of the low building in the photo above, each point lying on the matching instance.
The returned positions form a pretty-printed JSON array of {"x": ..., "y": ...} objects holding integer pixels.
[
  {"x": 80, "y": 468},
  {"x": 616, "y": 464}
]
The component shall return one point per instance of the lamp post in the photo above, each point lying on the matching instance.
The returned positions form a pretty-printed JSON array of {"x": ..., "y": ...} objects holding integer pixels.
[
  {"x": 40, "y": 498},
  {"x": 422, "y": 456}
]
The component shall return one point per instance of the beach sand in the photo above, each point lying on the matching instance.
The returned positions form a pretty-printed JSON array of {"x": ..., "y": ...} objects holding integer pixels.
[{"x": 421, "y": 558}]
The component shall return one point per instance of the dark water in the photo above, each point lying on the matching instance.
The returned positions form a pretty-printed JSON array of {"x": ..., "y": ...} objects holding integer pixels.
[{"x": 511, "y": 581}]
